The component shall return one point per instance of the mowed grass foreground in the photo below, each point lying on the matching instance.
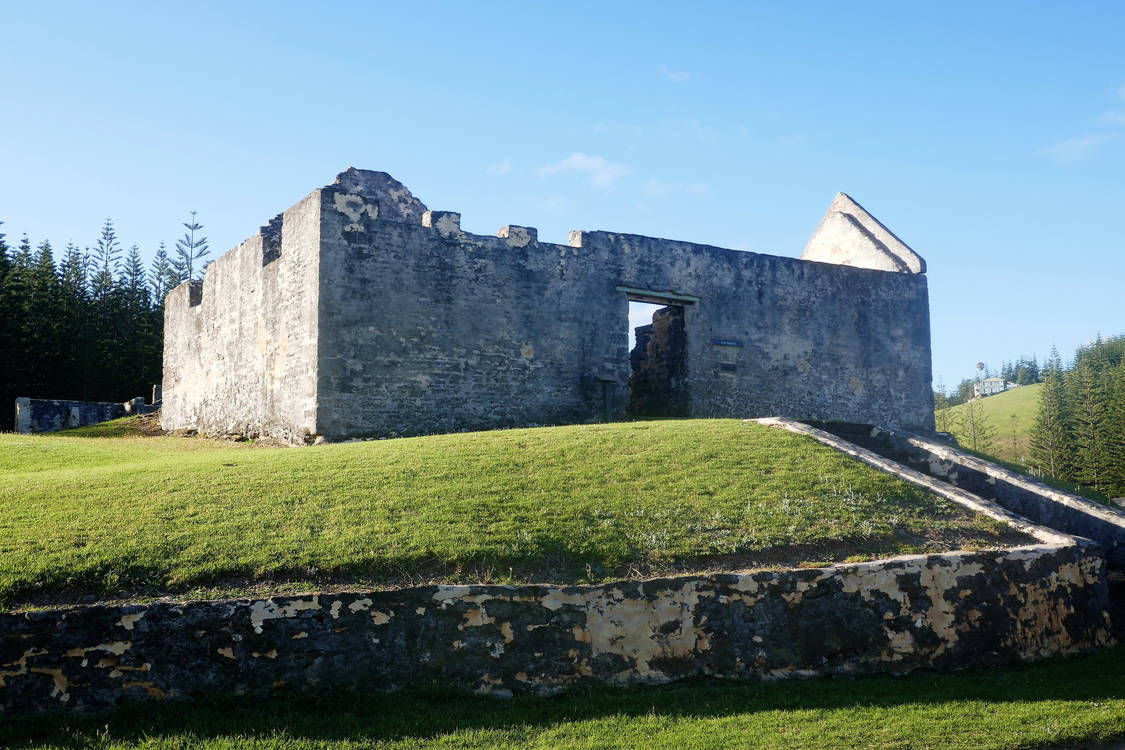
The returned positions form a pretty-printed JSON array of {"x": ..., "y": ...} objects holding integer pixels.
[
  {"x": 141, "y": 516},
  {"x": 1064, "y": 703}
]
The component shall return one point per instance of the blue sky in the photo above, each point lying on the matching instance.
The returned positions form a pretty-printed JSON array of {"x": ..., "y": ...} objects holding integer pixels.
[{"x": 990, "y": 137}]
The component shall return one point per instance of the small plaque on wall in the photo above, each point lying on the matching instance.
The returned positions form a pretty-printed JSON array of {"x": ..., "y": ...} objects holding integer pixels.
[
  {"x": 728, "y": 367},
  {"x": 727, "y": 342}
]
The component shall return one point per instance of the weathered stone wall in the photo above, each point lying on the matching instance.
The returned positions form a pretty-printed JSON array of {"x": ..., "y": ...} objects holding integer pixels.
[
  {"x": 944, "y": 611},
  {"x": 425, "y": 330},
  {"x": 240, "y": 348},
  {"x": 815, "y": 338},
  {"x": 51, "y": 415},
  {"x": 429, "y": 328},
  {"x": 387, "y": 318}
]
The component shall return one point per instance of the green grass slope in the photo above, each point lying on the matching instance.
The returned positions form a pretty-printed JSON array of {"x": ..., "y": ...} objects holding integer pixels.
[
  {"x": 1011, "y": 415},
  {"x": 138, "y": 516},
  {"x": 1077, "y": 702}
]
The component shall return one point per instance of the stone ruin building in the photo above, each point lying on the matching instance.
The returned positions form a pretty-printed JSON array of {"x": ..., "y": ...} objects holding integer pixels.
[{"x": 359, "y": 312}]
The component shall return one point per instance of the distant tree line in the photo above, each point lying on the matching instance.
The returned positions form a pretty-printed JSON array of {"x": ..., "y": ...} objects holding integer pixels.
[
  {"x": 1024, "y": 371},
  {"x": 89, "y": 325},
  {"x": 1079, "y": 432}
]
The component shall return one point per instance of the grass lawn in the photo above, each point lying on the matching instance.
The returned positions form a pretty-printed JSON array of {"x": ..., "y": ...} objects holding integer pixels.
[
  {"x": 134, "y": 516},
  {"x": 1062, "y": 703},
  {"x": 1011, "y": 415}
]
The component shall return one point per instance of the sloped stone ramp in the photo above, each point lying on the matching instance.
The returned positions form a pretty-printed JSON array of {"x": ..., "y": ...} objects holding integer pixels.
[{"x": 985, "y": 486}]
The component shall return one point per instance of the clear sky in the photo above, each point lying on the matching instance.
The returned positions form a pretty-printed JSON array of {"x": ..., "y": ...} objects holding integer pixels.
[{"x": 988, "y": 136}]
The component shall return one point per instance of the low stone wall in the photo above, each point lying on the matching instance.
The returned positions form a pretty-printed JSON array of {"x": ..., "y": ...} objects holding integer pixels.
[
  {"x": 51, "y": 415},
  {"x": 943, "y": 611},
  {"x": 1019, "y": 494}
]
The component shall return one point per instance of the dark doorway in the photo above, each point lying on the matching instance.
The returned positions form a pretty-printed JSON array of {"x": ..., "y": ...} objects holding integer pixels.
[{"x": 658, "y": 384}]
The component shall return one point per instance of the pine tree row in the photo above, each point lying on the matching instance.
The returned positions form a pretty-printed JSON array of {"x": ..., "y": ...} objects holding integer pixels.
[
  {"x": 1079, "y": 432},
  {"x": 88, "y": 326}
]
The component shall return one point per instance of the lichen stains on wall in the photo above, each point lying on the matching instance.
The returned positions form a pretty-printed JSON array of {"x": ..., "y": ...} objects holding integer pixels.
[{"x": 943, "y": 611}]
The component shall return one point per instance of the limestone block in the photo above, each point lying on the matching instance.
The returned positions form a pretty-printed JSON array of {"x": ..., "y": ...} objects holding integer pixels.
[
  {"x": 447, "y": 223},
  {"x": 518, "y": 236}
]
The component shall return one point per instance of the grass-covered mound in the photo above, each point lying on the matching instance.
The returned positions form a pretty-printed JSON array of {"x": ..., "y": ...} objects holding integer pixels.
[
  {"x": 134, "y": 515},
  {"x": 123, "y": 427}
]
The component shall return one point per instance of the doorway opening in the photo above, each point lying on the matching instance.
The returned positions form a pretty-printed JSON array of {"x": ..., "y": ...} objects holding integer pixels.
[{"x": 658, "y": 385}]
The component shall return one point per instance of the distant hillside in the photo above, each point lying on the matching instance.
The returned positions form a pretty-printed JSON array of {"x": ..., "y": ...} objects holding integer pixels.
[{"x": 1011, "y": 415}]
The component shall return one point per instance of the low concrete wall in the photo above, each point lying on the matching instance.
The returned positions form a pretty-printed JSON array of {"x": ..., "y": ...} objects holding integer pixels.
[
  {"x": 51, "y": 415},
  {"x": 944, "y": 611}
]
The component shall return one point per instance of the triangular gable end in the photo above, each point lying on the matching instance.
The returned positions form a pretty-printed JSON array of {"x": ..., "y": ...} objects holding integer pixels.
[{"x": 850, "y": 236}]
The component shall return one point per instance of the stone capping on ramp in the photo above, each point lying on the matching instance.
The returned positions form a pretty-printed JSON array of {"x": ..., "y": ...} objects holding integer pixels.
[
  {"x": 1106, "y": 515},
  {"x": 961, "y": 497},
  {"x": 1042, "y": 504}
]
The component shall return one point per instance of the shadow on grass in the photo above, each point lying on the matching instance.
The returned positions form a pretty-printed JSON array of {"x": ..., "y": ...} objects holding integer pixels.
[{"x": 417, "y": 716}]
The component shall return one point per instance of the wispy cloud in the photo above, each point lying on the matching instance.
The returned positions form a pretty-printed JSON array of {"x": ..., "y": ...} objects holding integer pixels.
[
  {"x": 605, "y": 127},
  {"x": 679, "y": 76},
  {"x": 688, "y": 127},
  {"x": 1085, "y": 146},
  {"x": 654, "y": 188},
  {"x": 795, "y": 139},
  {"x": 1116, "y": 117},
  {"x": 601, "y": 171},
  {"x": 1081, "y": 147},
  {"x": 501, "y": 167}
]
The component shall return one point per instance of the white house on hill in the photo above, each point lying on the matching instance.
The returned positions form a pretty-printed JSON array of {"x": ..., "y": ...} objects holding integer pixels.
[{"x": 992, "y": 386}]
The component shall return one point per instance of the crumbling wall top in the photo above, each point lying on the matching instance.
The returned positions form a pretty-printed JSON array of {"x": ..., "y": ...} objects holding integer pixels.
[{"x": 395, "y": 201}]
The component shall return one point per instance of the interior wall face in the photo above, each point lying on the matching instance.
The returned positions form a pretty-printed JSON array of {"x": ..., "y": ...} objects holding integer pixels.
[
  {"x": 424, "y": 330},
  {"x": 772, "y": 335},
  {"x": 240, "y": 348}
]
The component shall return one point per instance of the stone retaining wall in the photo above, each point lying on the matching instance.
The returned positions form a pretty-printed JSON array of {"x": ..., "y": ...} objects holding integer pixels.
[
  {"x": 943, "y": 611},
  {"x": 51, "y": 415},
  {"x": 1019, "y": 494}
]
